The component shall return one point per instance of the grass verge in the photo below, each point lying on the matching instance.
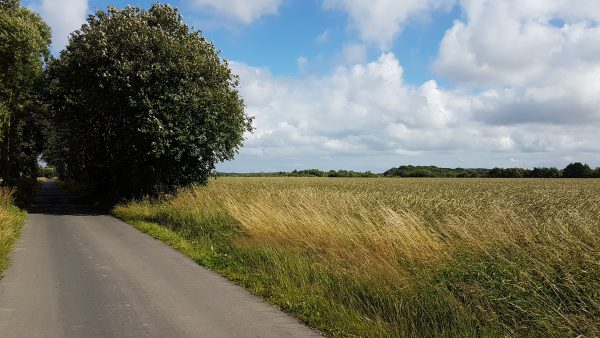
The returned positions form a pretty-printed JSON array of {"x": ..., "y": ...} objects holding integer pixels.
[
  {"x": 406, "y": 258},
  {"x": 11, "y": 222}
]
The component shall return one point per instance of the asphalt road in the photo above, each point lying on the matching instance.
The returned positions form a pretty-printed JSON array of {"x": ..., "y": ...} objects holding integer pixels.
[{"x": 78, "y": 273}]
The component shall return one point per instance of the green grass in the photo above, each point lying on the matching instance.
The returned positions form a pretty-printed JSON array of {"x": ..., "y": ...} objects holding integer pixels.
[
  {"x": 11, "y": 222},
  {"x": 276, "y": 275},
  {"x": 399, "y": 257}
]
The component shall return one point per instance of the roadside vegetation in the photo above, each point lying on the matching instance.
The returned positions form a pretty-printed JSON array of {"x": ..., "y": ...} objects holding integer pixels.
[
  {"x": 24, "y": 47},
  {"x": 388, "y": 257},
  {"x": 11, "y": 221}
]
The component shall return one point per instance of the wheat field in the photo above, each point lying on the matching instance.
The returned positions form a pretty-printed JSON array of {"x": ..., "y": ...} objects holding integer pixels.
[{"x": 399, "y": 257}]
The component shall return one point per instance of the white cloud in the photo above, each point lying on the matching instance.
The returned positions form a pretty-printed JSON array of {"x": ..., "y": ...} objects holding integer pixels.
[
  {"x": 365, "y": 116},
  {"x": 243, "y": 11},
  {"x": 353, "y": 53},
  {"x": 538, "y": 61},
  {"x": 380, "y": 21},
  {"x": 519, "y": 43},
  {"x": 63, "y": 16}
]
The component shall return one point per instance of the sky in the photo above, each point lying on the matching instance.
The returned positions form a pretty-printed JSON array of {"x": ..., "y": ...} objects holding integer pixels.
[{"x": 369, "y": 85}]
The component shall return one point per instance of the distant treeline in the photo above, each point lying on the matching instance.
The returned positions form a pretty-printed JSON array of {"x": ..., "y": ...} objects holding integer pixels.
[
  {"x": 573, "y": 170},
  {"x": 433, "y": 171},
  {"x": 306, "y": 173}
]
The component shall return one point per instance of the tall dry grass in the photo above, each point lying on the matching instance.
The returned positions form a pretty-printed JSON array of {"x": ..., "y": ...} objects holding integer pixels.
[
  {"x": 11, "y": 220},
  {"x": 407, "y": 257}
]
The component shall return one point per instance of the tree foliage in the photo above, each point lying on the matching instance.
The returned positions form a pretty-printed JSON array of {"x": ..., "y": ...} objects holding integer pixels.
[
  {"x": 142, "y": 104},
  {"x": 433, "y": 171},
  {"x": 543, "y": 172},
  {"x": 577, "y": 170},
  {"x": 508, "y": 173},
  {"x": 10, "y": 4},
  {"x": 24, "y": 47}
]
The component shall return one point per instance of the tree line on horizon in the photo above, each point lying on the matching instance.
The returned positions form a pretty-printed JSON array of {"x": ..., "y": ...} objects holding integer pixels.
[{"x": 573, "y": 170}]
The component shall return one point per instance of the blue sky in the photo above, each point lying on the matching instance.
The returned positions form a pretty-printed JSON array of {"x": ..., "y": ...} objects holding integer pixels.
[
  {"x": 277, "y": 41},
  {"x": 368, "y": 85}
]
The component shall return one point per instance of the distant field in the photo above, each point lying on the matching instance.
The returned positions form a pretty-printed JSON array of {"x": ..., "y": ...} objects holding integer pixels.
[
  {"x": 399, "y": 257},
  {"x": 11, "y": 221}
]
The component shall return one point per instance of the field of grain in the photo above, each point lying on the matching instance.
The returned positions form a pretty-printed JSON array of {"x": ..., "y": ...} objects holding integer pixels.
[
  {"x": 399, "y": 257},
  {"x": 11, "y": 220}
]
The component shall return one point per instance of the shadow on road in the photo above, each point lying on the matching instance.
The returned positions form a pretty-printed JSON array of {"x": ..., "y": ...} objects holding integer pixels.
[{"x": 50, "y": 199}]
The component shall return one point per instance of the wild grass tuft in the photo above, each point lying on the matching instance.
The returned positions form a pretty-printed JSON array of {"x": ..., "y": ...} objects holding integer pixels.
[
  {"x": 11, "y": 221},
  {"x": 399, "y": 257}
]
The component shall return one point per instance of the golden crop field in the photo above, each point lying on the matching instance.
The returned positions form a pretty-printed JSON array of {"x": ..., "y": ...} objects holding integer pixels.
[{"x": 399, "y": 257}]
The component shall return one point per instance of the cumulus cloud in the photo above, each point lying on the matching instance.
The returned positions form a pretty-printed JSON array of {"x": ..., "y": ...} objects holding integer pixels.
[
  {"x": 380, "y": 21},
  {"x": 516, "y": 43},
  {"x": 548, "y": 105},
  {"x": 537, "y": 61},
  {"x": 353, "y": 53},
  {"x": 63, "y": 16},
  {"x": 242, "y": 11},
  {"x": 367, "y": 110}
]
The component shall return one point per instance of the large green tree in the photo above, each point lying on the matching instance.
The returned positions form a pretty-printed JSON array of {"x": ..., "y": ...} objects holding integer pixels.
[
  {"x": 142, "y": 104},
  {"x": 24, "y": 42}
]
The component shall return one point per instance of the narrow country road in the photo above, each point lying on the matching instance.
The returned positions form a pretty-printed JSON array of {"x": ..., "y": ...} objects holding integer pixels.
[{"x": 77, "y": 273}]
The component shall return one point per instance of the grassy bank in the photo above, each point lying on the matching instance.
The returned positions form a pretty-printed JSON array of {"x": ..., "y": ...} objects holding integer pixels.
[
  {"x": 399, "y": 257},
  {"x": 11, "y": 221}
]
